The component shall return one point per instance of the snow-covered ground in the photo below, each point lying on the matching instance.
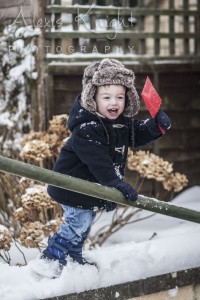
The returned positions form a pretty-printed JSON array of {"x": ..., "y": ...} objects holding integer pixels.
[{"x": 128, "y": 255}]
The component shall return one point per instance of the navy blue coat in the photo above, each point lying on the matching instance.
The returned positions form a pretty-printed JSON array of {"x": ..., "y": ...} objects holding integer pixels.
[{"x": 97, "y": 152}]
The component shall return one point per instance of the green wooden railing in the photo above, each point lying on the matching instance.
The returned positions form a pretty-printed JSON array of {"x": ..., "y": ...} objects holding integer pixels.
[{"x": 95, "y": 190}]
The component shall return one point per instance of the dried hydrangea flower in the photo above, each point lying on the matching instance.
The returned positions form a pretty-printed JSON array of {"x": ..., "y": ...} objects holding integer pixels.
[
  {"x": 31, "y": 234},
  {"x": 5, "y": 239},
  {"x": 151, "y": 166}
]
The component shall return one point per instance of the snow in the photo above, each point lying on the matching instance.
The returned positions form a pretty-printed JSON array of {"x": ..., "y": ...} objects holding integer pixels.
[
  {"x": 25, "y": 66},
  {"x": 17, "y": 58},
  {"x": 5, "y": 119},
  {"x": 93, "y": 123},
  {"x": 173, "y": 292},
  {"x": 3, "y": 228},
  {"x": 32, "y": 190},
  {"x": 150, "y": 247},
  {"x": 27, "y": 31}
]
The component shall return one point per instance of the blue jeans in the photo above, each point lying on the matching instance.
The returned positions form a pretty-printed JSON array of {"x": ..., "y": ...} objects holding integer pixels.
[{"x": 77, "y": 224}]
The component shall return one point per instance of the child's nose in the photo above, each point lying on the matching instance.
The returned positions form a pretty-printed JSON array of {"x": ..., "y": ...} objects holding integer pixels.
[{"x": 113, "y": 101}]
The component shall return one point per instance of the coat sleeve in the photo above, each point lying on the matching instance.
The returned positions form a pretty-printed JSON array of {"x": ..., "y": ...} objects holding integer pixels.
[
  {"x": 90, "y": 145},
  {"x": 144, "y": 132}
]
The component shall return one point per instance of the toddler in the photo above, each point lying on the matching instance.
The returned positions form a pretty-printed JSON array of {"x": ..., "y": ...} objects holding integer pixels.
[{"x": 102, "y": 125}]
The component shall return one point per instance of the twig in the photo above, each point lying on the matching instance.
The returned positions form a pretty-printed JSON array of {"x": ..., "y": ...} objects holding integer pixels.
[
  {"x": 153, "y": 235},
  {"x": 141, "y": 183},
  {"x": 115, "y": 213},
  {"x": 98, "y": 217},
  {"x": 137, "y": 180},
  {"x": 20, "y": 251},
  {"x": 115, "y": 226},
  {"x": 118, "y": 224},
  {"x": 5, "y": 259},
  {"x": 141, "y": 219}
]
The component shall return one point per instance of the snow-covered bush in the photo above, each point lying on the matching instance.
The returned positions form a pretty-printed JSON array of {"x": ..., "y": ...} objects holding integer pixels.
[
  {"x": 17, "y": 72},
  {"x": 17, "y": 68}
]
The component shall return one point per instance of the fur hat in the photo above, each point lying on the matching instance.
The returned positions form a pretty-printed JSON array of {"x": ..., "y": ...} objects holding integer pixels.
[{"x": 106, "y": 72}]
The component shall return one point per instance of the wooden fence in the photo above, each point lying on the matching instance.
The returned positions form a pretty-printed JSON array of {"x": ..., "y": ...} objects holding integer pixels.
[{"x": 131, "y": 30}]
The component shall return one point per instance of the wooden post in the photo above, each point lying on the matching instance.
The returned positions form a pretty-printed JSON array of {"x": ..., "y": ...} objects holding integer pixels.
[
  {"x": 186, "y": 27},
  {"x": 40, "y": 66},
  {"x": 197, "y": 29},
  {"x": 95, "y": 190},
  {"x": 49, "y": 91},
  {"x": 156, "y": 30},
  {"x": 141, "y": 27},
  {"x": 171, "y": 29}
]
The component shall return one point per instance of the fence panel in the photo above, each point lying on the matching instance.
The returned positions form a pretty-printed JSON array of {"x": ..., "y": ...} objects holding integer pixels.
[{"x": 134, "y": 30}]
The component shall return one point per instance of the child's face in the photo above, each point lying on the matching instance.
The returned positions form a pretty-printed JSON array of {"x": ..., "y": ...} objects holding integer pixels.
[{"x": 110, "y": 100}]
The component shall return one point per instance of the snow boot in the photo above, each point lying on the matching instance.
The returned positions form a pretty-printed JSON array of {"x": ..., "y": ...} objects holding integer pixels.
[
  {"x": 61, "y": 249},
  {"x": 51, "y": 261}
]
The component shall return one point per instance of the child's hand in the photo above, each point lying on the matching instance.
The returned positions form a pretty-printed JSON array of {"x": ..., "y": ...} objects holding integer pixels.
[
  {"x": 163, "y": 120},
  {"x": 127, "y": 190}
]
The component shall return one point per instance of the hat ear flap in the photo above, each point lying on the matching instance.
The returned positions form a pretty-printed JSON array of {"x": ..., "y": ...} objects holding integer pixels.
[
  {"x": 126, "y": 100},
  {"x": 132, "y": 102},
  {"x": 87, "y": 97}
]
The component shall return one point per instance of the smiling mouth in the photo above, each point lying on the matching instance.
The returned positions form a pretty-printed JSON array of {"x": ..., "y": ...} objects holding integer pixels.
[{"x": 113, "y": 110}]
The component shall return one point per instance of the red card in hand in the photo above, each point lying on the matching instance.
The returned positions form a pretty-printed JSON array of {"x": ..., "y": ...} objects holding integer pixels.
[{"x": 151, "y": 99}]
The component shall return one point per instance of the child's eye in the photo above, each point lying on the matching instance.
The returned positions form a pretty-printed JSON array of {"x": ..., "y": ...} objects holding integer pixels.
[{"x": 106, "y": 98}]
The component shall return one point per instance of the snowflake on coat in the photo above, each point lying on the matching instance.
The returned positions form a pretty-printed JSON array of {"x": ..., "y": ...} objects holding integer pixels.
[{"x": 118, "y": 173}]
